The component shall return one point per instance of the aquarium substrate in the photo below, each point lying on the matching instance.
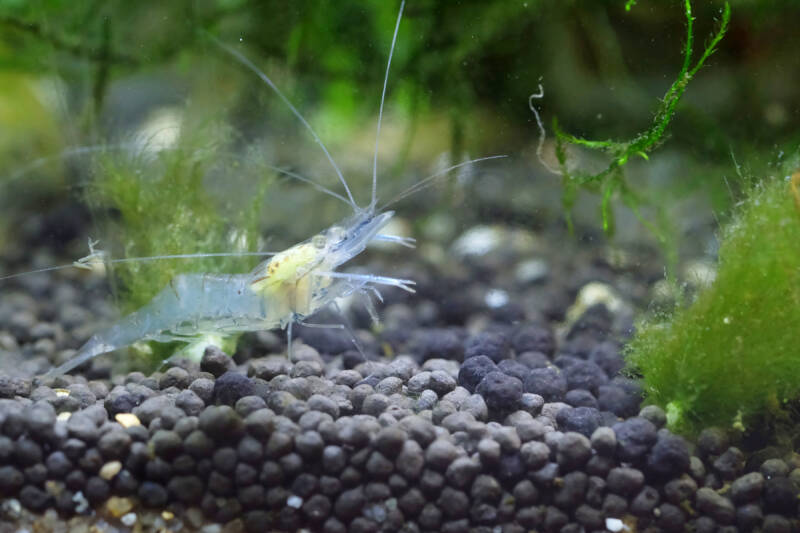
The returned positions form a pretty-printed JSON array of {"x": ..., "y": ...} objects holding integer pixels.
[{"x": 496, "y": 405}]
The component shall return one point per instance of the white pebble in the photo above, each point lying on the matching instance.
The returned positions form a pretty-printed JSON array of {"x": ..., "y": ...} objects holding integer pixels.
[{"x": 294, "y": 501}]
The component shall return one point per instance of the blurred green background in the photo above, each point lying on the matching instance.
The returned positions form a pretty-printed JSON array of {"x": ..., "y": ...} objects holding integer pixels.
[{"x": 82, "y": 83}]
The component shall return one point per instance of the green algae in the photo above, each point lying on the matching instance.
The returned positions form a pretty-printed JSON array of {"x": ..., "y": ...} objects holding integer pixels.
[{"x": 732, "y": 356}]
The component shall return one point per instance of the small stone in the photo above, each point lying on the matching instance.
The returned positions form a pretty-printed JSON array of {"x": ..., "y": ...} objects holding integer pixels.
[
  {"x": 534, "y": 338},
  {"x": 426, "y": 401},
  {"x": 231, "y": 386},
  {"x": 166, "y": 443},
  {"x": 152, "y": 494},
  {"x": 462, "y": 471},
  {"x": 260, "y": 424},
  {"x": 625, "y": 481},
  {"x": 375, "y": 404},
  {"x": 389, "y": 385},
  {"x": 513, "y": 368},
  {"x": 440, "y": 453},
  {"x": 174, "y": 377},
  {"x": 186, "y": 489},
  {"x": 473, "y": 370},
  {"x": 580, "y": 398},
  {"x": 669, "y": 457},
  {"x": 411, "y": 460},
  {"x": 584, "y": 375},
  {"x": 39, "y": 418},
  {"x": 696, "y": 468},
  {"x": 97, "y": 489},
  {"x": 780, "y": 496},
  {"x": 774, "y": 523},
  {"x": 573, "y": 450},
  {"x": 419, "y": 382},
  {"x": 622, "y": 401},
  {"x": 670, "y": 517},
  {"x": 224, "y": 460},
  {"x": 34, "y": 498},
  {"x": 220, "y": 422},
  {"x": 730, "y": 463},
  {"x": 189, "y": 402},
  {"x": 492, "y": 345},
  {"x": 608, "y": 357},
  {"x": 712, "y": 441},
  {"x": 550, "y": 410},
  {"x": 419, "y": 429},
  {"x": 604, "y": 441},
  {"x": 309, "y": 444},
  {"x": 635, "y": 436},
  {"x": 486, "y": 489},
  {"x": 349, "y": 503},
  {"x": 118, "y": 507},
  {"x": 204, "y": 389},
  {"x": 489, "y": 451},
  {"x": 774, "y": 468},
  {"x": 453, "y": 503},
  {"x": 747, "y": 488},
  {"x": 11, "y": 479},
  {"x": 389, "y": 441},
  {"x": 654, "y": 414},
  {"x": 500, "y": 391},
  {"x": 679, "y": 490},
  {"x": 571, "y": 492},
  {"x": 152, "y": 408},
  {"x": 715, "y": 505},
  {"x": 378, "y": 466},
  {"x": 644, "y": 502},
  {"x": 109, "y": 470},
  {"x": 215, "y": 361},
  {"x": 547, "y": 382},
  {"x": 83, "y": 427},
  {"x": 441, "y": 382},
  {"x": 535, "y": 454},
  {"x": 127, "y": 420},
  {"x": 584, "y": 420}
]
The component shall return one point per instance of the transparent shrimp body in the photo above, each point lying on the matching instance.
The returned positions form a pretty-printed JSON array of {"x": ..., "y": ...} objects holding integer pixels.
[{"x": 285, "y": 288}]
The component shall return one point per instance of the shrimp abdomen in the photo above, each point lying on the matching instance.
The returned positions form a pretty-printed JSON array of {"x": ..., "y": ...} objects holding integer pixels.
[{"x": 190, "y": 304}]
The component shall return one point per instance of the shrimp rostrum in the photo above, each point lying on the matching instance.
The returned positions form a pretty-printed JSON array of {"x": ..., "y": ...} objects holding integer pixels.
[{"x": 286, "y": 288}]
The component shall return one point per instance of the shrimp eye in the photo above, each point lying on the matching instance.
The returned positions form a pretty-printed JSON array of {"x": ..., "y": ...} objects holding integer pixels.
[{"x": 318, "y": 241}]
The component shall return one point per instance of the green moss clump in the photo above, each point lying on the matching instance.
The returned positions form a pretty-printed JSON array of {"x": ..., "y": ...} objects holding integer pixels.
[
  {"x": 733, "y": 354},
  {"x": 162, "y": 206}
]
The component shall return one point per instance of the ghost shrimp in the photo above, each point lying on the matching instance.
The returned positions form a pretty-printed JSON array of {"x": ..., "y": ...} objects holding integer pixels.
[{"x": 284, "y": 289}]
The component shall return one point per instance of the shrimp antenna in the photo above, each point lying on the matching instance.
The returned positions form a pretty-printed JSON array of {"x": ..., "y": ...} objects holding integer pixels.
[
  {"x": 64, "y": 154},
  {"x": 99, "y": 257},
  {"x": 318, "y": 186},
  {"x": 427, "y": 182},
  {"x": 380, "y": 112},
  {"x": 249, "y": 64}
]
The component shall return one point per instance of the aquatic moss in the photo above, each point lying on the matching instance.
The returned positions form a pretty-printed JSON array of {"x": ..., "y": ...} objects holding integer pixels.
[
  {"x": 733, "y": 354},
  {"x": 160, "y": 204},
  {"x": 610, "y": 182}
]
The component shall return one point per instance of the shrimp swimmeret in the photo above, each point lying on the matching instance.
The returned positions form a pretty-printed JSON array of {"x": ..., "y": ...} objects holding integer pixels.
[{"x": 286, "y": 288}]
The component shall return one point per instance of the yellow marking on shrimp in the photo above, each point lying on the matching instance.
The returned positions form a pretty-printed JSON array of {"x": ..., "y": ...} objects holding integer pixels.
[{"x": 286, "y": 267}]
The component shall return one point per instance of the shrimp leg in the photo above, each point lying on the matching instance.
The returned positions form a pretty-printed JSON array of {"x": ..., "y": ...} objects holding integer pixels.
[
  {"x": 408, "y": 242},
  {"x": 363, "y": 280}
]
